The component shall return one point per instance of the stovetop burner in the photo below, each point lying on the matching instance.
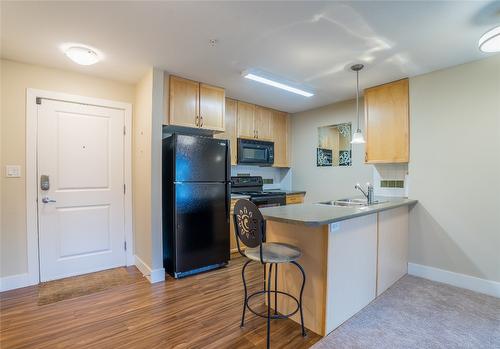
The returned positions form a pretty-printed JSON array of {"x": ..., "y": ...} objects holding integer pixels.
[{"x": 253, "y": 187}]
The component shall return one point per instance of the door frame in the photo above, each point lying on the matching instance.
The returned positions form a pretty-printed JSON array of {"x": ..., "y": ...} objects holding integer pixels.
[{"x": 32, "y": 175}]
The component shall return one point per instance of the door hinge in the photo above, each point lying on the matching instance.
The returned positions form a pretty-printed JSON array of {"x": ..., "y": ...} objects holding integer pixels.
[
  {"x": 124, "y": 130},
  {"x": 124, "y": 189},
  {"x": 38, "y": 100},
  {"x": 125, "y": 245}
]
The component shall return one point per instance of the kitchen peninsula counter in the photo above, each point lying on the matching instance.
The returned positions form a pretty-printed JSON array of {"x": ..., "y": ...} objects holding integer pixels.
[
  {"x": 350, "y": 256},
  {"x": 314, "y": 214}
]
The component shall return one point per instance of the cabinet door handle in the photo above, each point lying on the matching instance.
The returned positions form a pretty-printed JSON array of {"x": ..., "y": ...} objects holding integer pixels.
[
  {"x": 201, "y": 121},
  {"x": 366, "y": 156},
  {"x": 196, "y": 120},
  {"x": 257, "y": 132}
]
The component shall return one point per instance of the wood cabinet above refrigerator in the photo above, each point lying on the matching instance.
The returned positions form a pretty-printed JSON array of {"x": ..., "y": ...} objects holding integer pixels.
[{"x": 194, "y": 105}]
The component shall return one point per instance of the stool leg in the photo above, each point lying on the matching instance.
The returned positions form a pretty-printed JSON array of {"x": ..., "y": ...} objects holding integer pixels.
[
  {"x": 300, "y": 298},
  {"x": 269, "y": 307},
  {"x": 276, "y": 289},
  {"x": 245, "y": 288},
  {"x": 265, "y": 266}
]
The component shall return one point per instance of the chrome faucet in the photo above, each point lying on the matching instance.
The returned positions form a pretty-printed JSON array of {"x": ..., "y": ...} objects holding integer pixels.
[{"x": 368, "y": 193}]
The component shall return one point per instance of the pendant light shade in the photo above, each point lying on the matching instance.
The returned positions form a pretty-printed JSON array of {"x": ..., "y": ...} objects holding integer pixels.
[{"x": 357, "y": 137}]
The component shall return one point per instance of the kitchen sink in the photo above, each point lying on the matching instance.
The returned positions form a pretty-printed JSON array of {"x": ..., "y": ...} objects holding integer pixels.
[{"x": 349, "y": 202}]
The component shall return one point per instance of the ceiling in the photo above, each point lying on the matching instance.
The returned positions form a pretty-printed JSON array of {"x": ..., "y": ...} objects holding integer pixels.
[{"x": 311, "y": 43}]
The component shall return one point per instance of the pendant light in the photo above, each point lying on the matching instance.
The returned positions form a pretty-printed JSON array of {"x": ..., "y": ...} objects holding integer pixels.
[{"x": 357, "y": 137}]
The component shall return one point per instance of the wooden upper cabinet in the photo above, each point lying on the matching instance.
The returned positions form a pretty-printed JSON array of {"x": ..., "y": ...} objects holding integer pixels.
[
  {"x": 265, "y": 124},
  {"x": 263, "y": 119},
  {"x": 231, "y": 128},
  {"x": 246, "y": 113},
  {"x": 280, "y": 127},
  {"x": 184, "y": 105},
  {"x": 387, "y": 123},
  {"x": 212, "y": 101},
  {"x": 194, "y": 104}
]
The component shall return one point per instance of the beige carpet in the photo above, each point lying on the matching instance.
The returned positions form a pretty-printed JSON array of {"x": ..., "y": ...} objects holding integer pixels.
[
  {"x": 415, "y": 314},
  {"x": 76, "y": 286}
]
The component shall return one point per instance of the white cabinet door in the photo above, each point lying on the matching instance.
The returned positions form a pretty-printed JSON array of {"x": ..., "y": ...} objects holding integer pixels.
[
  {"x": 81, "y": 150},
  {"x": 352, "y": 268},
  {"x": 392, "y": 247}
]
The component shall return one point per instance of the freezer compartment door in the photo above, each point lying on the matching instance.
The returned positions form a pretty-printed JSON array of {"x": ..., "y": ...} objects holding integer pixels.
[
  {"x": 201, "y": 159},
  {"x": 202, "y": 225}
]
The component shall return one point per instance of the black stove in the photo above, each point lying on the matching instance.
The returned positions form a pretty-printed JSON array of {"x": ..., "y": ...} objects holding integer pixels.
[{"x": 253, "y": 187}]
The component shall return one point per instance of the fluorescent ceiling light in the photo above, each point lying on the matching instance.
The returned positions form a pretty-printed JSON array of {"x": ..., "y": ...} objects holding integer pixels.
[
  {"x": 259, "y": 77},
  {"x": 490, "y": 41},
  {"x": 82, "y": 55}
]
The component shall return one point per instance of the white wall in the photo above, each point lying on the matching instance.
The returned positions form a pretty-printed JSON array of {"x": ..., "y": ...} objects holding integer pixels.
[
  {"x": 15, "y": 79},
  {"x": 455, "y": 169},
  {"x": 326, "y": 183},
  {"x": 147, "y": 133}
]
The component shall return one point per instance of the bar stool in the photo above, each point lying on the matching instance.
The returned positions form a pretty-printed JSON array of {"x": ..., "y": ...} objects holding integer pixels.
[{"x": 250, "y": 229}]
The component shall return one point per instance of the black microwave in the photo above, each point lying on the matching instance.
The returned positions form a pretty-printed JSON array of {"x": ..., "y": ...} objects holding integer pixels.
[{"x": 254, "y": 152}]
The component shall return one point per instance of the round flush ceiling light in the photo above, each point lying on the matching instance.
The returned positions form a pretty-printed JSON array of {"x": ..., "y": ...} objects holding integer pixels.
[
  {"x": 82, "y": 55},
  {"x": 490, "y": 41}
]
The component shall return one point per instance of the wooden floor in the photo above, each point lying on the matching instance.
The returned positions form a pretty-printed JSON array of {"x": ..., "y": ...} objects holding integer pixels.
[{"x": 201, "y": 311}]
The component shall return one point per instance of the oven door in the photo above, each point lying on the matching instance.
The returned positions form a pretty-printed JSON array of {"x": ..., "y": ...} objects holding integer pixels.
[
  {"x": 255, "y": 152},
  {"x": 269, "y": 201}
]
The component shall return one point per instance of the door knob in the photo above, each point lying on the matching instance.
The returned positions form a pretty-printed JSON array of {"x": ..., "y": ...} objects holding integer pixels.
[{"x": 46, "y": 200}]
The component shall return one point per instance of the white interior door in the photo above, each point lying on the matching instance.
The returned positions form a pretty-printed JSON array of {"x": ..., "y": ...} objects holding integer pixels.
[{"x": 81, "y": 213}]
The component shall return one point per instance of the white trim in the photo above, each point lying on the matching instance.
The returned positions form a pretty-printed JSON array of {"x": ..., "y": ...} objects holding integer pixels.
[
  {"x": 157, "y": 275},
  {"x": 153, "y": 276},
  {"x": 15, "y": 281},
  {"x": 31, "y": 173},
  {"x": 31, "y": 188},
  {"x": 127, "y": 163},
  {"x": 472, "y": 283}
]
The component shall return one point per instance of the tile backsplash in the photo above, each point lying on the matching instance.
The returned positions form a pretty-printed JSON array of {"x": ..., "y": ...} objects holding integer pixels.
[
  {"x": 390, "y": 179},
  {"x": 274, "y": 178}
]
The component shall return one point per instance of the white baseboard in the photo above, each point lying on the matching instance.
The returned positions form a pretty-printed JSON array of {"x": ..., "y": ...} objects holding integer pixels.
[
  {"x": 489, "y": 287},
  {"x": 16, "y": 281},
  {"x": 156, "y": 275}
]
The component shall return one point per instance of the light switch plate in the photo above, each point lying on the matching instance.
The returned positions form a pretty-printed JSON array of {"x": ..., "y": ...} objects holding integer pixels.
[{"x": 13, "y": 171}]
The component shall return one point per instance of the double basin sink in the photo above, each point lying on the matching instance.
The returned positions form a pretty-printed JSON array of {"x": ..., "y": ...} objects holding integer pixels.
[{"x": 350, "y": 202}]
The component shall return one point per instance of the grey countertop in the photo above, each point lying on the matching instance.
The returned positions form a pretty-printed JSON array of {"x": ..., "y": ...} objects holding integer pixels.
[{"x": 318, "y": 214}]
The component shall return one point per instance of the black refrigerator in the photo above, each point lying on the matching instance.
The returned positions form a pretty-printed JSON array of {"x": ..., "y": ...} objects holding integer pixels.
[{"x": 196, "y": 198}]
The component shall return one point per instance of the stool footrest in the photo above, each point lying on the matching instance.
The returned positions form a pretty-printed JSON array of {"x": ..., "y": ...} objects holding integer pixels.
[{"x": 276, "y": 316}]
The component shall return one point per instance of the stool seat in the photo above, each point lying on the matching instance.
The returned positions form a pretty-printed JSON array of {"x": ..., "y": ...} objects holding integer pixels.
[{"x": 274, "y": 252}]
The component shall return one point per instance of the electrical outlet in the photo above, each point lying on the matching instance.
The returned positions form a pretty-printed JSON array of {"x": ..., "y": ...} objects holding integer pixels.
[{"x": 334, "y": 227}]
